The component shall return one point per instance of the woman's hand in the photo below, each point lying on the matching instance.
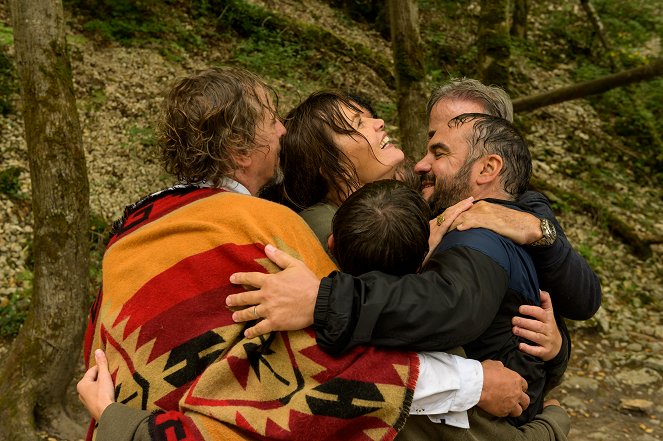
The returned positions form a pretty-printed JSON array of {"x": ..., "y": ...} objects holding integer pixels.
[
  {"x": 523, "y": 228},
  {"x": 96, "y": 390},
  {"x": 442, "y": 224},
  {"x": 542, "y": 330}
]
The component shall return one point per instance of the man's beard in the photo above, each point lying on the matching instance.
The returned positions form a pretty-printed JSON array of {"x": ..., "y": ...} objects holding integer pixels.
[
  {"x": 450, "y": 190},
  {"x": 277, "y": 178}
]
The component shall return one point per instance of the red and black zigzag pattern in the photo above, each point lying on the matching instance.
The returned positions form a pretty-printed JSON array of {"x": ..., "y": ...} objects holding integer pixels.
[{"x": 154, "y": 206}]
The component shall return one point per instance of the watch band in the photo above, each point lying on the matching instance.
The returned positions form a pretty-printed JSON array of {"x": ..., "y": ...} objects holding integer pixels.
[{"x": 549, "y": 234}]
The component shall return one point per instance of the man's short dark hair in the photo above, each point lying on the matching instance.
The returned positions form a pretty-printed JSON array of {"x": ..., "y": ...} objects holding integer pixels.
[
  {"x": 383, "y": 226},
  {"x": 494, "y": 135}
]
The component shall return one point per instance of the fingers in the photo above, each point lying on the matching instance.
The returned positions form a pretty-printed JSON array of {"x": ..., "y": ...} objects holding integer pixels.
[
  {"x": 546, "y": 301},
  {"x": 523, "y": 400},
  {"x": 539, "y": 338},
  {"x": 249, "y": 279},
  {"x": 101, "y": 360},
  {"x": 247, "y": 314},
  {"x": 455, "y": 213},
  {"x": 455, "y": 210},
  {"x": 261, "y": 328},
  {"x": 90, "y": 375},
  {"x": 103, "y": 375},
  {"x": 528, "y": 324},
  {"x": 538, "y": 313},
  {"x": 523, "y": 403},
  {"x": 246, "y": 298},
  {"x": 536, "y": 351},
  {"x": 282, "y": 259}
]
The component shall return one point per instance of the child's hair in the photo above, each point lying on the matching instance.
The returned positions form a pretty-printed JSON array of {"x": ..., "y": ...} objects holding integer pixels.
[
  {"x": 383, "y": 226},
  {"x": 405, "y": 173}
]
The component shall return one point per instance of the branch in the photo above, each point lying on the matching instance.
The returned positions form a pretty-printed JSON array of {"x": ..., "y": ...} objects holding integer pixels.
[{"x": 593, "y": 87}]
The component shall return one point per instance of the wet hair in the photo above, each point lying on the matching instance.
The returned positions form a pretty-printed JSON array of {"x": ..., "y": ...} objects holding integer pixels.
[
  {"x": 494, "y": 100},
  {"x": 313, "y": 164},
  {"x": 383, "y": 226},
  {"x": 494, "y": 135},
  {"x": 210, "y": 118}
]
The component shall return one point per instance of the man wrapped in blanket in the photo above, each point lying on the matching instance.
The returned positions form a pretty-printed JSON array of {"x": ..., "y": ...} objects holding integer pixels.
[{"x": 181, "y": 367}]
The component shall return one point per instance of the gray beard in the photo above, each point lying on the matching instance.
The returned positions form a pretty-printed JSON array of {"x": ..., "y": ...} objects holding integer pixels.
[
  {"x": 449, "y": 191},
  {"x": 277, "y": 179}
]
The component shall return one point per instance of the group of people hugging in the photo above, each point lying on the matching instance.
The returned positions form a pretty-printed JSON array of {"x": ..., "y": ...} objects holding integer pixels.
[{"x": 304, "y": 281}]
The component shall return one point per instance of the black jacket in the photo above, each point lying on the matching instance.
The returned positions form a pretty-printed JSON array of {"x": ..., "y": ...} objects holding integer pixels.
[{"x": 440, "y": 307}]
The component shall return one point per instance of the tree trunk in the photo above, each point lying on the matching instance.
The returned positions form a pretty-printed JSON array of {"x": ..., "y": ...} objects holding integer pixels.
[
  {"x": 494, "y": 43},
  {"x": 519, "y": 22},
  {"x": 599, "y": 28},
  {"x": 593, "y": 87},
  {"x": 410, "y": 74},
  {"x": 41, "y": 361}
]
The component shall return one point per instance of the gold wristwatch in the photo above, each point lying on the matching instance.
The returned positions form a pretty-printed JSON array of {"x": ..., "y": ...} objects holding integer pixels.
[{"x": 549, "y": 234}]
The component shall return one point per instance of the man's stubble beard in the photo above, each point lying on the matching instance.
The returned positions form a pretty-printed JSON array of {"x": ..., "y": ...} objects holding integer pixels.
[
  {"x": 449, "y": 191},
  {"x": 277, "y": 179}
]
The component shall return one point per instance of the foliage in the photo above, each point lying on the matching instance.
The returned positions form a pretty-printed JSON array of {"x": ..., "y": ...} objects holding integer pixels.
[
  {"x": 373, "y": 12},
  {"x": 6, "y": 36},
  {"x": 9, "y": 183},
  {"x": 148, "y": 22},
  {"x": 634, "y": 31},
  {"x": 447, "y": 31},
  {"x": 14, "y": 309},
  {"x": 142, "y": 135},
  {"x": 303, "y": 41},
  {"x": 8, "y": 82}
]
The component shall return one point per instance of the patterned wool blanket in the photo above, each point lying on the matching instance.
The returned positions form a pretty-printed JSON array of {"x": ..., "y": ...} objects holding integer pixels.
[{"x": 173, "y": 348}]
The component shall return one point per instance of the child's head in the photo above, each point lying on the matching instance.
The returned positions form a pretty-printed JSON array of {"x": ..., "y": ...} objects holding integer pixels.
[{"x": 382, "y": 226}]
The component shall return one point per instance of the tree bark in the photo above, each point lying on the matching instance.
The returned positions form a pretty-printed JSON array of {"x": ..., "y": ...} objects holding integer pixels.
[
  {"x": 410, "y": 75},
  {"x": 41, "y": 361},
  {"x": 494, "y": 43},
  {"x": 598, "y": 26},
  {"x": 519, "y": 22},
  {"x": 593, "y": 87}
]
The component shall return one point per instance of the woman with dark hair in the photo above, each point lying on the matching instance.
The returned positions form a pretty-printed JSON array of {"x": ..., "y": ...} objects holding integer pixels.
[{"x": 333, "y": 146}]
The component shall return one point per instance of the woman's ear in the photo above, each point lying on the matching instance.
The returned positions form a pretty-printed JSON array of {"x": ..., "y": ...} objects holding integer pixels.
[
  {"x": 491, "y": 166},
  {"x": 330, "y": 242}
]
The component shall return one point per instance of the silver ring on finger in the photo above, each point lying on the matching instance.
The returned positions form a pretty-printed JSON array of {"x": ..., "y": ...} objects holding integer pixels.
[{"x": 255, "y": 312}]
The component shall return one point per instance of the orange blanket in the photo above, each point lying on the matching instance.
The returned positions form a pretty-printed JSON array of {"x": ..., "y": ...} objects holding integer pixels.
[{"x": 173, "y": 347}]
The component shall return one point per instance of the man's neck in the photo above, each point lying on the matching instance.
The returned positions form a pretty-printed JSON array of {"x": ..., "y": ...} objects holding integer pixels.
[
  {"x": 229, "y": 184},
  {"x": 492, "y": 193}
]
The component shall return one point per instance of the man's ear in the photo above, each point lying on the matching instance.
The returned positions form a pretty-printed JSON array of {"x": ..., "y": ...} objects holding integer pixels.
[
  {"x": 330, "y": 242},
  {"x": 243, "y": 161},
  {"x": 490, "y": 168}
]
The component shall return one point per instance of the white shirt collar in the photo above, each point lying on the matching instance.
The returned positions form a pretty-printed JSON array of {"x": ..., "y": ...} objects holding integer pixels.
[{"x": 229, "y": 185}]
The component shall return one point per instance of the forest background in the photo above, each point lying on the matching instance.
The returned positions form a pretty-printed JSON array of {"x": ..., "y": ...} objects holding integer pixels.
[{"x": 599, "y": 159}]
